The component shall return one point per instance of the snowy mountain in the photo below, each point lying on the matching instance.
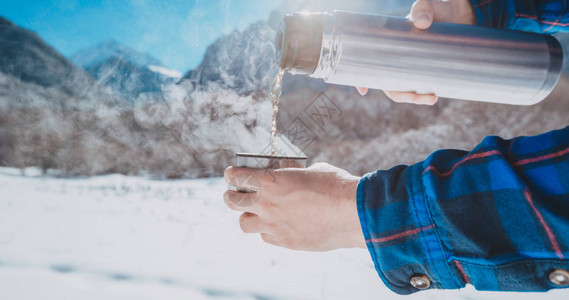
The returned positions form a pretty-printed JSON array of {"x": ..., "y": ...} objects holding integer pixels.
[
  {"x": 54, "y": 115},
  {"x": 31, "y": 70},
  {"x": 103, "y": 51},
  {"x": 243, "y": 61},
  {"x": 125, "y": 70}
]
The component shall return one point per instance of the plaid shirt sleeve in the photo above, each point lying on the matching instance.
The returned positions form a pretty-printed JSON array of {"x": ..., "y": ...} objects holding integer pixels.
[
  {"x": 542, "y": 16},
  {"x": 496, "y": 217}
]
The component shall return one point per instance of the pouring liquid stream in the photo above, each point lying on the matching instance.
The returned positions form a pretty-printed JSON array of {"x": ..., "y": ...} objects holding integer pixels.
[{"x": 276, "y": 92}]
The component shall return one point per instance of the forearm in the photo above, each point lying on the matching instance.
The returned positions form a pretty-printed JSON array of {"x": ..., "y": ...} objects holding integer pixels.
[{"x": 484, "y": 217}]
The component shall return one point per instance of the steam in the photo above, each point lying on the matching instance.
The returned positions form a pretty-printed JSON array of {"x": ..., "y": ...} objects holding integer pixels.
[{"x": 179, "y": 134}]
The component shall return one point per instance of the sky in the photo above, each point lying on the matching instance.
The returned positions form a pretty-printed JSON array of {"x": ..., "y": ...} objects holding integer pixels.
[{"x": 177, "y": 32}]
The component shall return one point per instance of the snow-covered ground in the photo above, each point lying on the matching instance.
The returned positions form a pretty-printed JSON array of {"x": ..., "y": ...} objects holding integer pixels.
[{"x": 118, "y": 237}]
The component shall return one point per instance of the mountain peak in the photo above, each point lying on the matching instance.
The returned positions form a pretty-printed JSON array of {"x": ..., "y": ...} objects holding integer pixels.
[
  {"x": 125, "y": 70},
  {"x": 4, "y": 21},
  {"x": 108, "y": 49}
]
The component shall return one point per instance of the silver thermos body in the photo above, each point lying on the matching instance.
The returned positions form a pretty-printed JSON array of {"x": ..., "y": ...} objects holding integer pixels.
[{"x": 450, "y": 60}]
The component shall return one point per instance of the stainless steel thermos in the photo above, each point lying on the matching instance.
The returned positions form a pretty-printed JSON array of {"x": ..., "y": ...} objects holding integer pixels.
[{"x": 450, "y": 60}]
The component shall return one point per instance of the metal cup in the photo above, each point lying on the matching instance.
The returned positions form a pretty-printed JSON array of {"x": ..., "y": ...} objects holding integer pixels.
[{"x": 260, "y": 161}]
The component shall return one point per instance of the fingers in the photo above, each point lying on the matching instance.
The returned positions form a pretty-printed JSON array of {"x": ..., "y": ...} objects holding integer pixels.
[
  {"x": 269, "y": 239},
  {"x": 251, "y": 223},
  {"x": 422, "y": 14},
  {"x": 362, "y": 90},
  {"x": 409, "y": 97},
  {"x": 247, "y": 178},
  {"x": 240, "y": 201}
]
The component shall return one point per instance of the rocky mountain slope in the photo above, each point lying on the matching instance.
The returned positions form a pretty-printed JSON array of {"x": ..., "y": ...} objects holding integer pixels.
[
  {"x": 242, "y": 61},
  {"x": 125, "y": 70},
  {"x": 31, "y": 70}
]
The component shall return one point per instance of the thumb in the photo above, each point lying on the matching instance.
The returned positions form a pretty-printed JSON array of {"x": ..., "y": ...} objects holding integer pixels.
[{"x": 422, "y": 14}]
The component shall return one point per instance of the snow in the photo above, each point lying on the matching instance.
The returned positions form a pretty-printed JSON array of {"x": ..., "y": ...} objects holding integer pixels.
[
  {"x": 165, "y": 71},
  {"x": 118, "y": 237}
]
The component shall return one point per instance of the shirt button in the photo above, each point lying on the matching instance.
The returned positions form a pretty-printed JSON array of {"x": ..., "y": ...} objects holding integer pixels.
[
  {"x": 420, "y": 281},
  {"x": 559, "y": 277}
]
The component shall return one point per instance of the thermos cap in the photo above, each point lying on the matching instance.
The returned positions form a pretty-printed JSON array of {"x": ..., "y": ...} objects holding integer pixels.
[{"x": 299, "y": 42}]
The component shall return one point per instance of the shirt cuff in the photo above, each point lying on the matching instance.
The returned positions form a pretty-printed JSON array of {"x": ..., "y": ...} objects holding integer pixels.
[
  {"x": 401, "y": 237},
  {"x": 506, "y": 14}
]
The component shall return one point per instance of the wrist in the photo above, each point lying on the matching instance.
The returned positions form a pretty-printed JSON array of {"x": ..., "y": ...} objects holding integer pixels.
[{"x": 355, "y": 237}]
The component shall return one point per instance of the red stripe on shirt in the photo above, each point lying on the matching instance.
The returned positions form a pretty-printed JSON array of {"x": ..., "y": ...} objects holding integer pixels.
[
  {"x": 483, "y": 3},
  {"x": 548, "y": 231},
  {"x": 400, "y": 235},
  {"x": 540, "y": 158},
  {"x": 470, "y": 157},
  {"x": 461, "y": 270},
  {"x": 555, "y": 23},
  {"x": 526, "y": 16}
]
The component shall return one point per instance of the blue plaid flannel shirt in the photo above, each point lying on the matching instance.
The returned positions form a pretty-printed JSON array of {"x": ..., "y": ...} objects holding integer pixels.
[{"x": 496, "y": 217}]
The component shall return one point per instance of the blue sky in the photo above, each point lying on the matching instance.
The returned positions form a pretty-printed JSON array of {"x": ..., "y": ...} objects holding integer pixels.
[{"x": 177, "y": 32}]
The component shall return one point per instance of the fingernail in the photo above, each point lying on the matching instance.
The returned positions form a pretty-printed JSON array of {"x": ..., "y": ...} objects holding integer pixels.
[
  {"x": 362, "y": 91},
  {"x": 422, "y": 20},
  {"x": 430, "y": 100}
]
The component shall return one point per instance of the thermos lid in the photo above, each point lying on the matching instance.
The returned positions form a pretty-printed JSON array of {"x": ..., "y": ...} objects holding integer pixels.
[{"x": 299, "y": 42}]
